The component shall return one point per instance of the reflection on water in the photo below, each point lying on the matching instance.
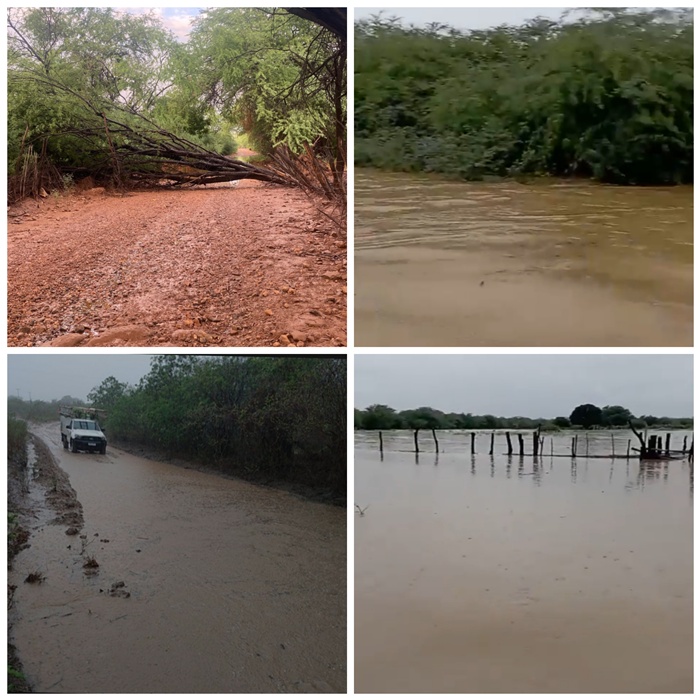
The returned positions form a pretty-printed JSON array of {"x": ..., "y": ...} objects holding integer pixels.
[
  {"x": 595, "y": 244},
  {"x": 478, "y": 573}
]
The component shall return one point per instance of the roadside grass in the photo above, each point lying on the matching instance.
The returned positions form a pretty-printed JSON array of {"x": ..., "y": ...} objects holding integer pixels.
[
  {"x": 16, "y": 439},
  {"x": 16, "y": 681}
]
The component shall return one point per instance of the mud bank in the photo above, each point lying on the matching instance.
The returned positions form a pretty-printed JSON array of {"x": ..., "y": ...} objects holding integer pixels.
[
  {"x": 200, "y": 584},
  {"x": 38, "y": 490}
]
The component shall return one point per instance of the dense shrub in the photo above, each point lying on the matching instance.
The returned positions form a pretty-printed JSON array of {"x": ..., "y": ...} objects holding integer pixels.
[{"x": 609, "y": 96}]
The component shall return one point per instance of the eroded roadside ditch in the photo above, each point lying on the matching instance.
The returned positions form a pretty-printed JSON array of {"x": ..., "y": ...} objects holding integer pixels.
[
  {"x": 201, "y": 584},
  {"x": 39, "y": 496}
]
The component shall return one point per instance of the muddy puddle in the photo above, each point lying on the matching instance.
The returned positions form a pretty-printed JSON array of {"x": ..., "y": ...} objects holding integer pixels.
[
  {"x": 479, "y": 575},
  {"x": 204, "y": 584},
  {"x": 508, "y": 264}
]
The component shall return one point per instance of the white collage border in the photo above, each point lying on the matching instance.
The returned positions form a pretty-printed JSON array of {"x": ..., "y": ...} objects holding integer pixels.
[{"x": 351, "y": 350}]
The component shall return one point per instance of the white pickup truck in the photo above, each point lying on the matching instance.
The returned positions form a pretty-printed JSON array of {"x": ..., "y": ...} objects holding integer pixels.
[{"x": 82, "y": 434}]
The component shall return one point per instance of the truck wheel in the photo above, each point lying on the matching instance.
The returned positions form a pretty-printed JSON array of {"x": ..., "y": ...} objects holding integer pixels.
[
  {"x": 73, "y": 448},
  {"x": 64, "y": 441}
]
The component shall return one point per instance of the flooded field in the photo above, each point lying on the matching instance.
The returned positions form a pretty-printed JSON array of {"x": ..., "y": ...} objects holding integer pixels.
[
  {"x": 553, "y": 263},
  {"x": 479, "y": 574},
  {"x": 232, "y": 587}
]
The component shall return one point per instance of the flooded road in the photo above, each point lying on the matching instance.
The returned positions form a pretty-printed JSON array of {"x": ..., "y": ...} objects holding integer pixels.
[
  {"x": 233, "y": 587},
  {"x": 489, "y": 575},
  {"x": 552, "y": 263}
]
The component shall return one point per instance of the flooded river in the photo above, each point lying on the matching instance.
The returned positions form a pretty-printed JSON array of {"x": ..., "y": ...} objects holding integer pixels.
[
  {"x": 552, "y": 263},
  {"x": 475, "y": 574},
  {"x": 233, "y": 587}
]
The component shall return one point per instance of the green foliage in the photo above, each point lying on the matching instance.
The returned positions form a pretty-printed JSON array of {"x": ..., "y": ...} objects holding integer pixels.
[
  {"x": 107, "y": 57},
  {"x": 609, "y": 96},
  {"x": 381, "y": 417},
  {"x": 615, "y": 416},
  {"x": 266, "y": 70},
  {"x": 262, "y": 418},
  {"x": 16, "y": 440},
  {"x": 107, "y": 394},
  {"x": 586, "y": 415},
  {"x": 39, "y": 411}
]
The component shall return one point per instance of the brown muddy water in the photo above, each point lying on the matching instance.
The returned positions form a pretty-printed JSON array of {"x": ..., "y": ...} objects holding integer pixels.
[
  {"x": 551, "y": 263},
  {"x": 233, "y": 587},
  {"x": 475, "y": 574}
]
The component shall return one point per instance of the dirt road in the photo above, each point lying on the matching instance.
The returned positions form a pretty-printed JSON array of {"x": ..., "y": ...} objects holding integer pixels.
[
  {"x": 204, "y": 584},
  {"x": 251, "y": 265}
]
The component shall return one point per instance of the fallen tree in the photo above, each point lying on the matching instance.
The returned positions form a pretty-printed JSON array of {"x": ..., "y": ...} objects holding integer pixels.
[
  {"x": 114, "y": 98},
  {"x": 131, "y": 149}
]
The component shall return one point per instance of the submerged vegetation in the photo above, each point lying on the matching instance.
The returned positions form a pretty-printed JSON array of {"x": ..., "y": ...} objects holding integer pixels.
[
  {"x": 602, "y": 93},
  {"x": 382, "y": 417}
]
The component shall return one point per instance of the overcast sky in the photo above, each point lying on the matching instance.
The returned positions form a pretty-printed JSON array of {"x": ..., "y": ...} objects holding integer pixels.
[
  {"x": 463, "y": 18},
  {"x": 54, "y": 376},
  {"x": 537, "y": 386},
  {"x": 176, "y": 19}
]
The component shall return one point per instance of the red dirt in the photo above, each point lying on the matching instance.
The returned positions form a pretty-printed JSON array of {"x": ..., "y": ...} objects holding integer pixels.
[{"x": 254, "y": 265}]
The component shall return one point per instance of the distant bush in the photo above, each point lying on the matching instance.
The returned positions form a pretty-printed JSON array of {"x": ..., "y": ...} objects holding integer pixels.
[{"x": 382, "y": 417}]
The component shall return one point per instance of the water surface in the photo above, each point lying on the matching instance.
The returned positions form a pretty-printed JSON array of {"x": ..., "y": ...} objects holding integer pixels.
[
  {"x": 479, "y": 574},
  {"x": 552, "y": 263},
  {"x": 233, "y": 587}
]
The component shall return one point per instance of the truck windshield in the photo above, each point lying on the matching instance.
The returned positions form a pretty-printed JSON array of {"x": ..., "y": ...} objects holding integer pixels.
[{"x": 85, "y": 425}]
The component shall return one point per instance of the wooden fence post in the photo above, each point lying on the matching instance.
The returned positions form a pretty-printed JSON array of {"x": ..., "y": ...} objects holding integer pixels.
[
  {"x": 473, "y": 447},
  {"x": 521, "y": 443},
  {"x": 510, "y": 444},
  {"x": 642, "y": 441},
  {"x": 415, "y": 439},
  {"x": 437, "y": 447},
  {"x": 381, "y": 443},
  {"x": 493, "y": 436}
]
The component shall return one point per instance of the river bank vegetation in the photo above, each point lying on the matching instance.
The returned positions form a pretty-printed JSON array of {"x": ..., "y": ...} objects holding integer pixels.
[
  {"x": 382, "y": 417},
  {"x": 603, "y": 93},
  {"x": 114, "y": 96}
]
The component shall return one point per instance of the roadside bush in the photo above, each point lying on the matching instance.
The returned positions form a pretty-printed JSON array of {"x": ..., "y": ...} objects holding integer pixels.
[
  {"x": 16, "y": 440},
  {"x": 264, "y": 418}
]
